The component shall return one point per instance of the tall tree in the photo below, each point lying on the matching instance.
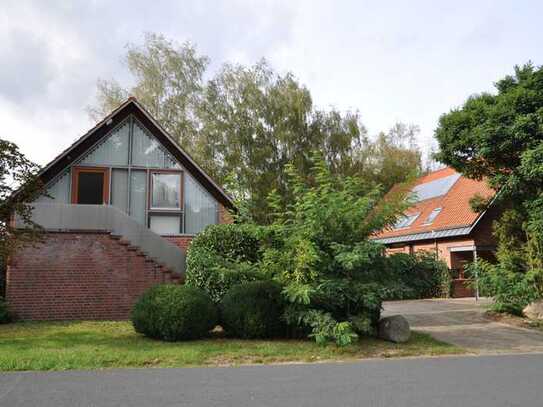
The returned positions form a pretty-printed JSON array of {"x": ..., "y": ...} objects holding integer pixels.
[
  {"x": 254, "y": 122},
  {"x": 18, "y": 185},
  {"x": 500, "y": 137},
  {"x": 168, "y": 82},
  {"x": 245, "y": 124},
  {"x": 394, "y": 156}
]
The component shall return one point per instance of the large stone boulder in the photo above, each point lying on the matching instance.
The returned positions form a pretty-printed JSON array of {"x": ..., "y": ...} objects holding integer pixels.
[
  {"x": 534, "y": 310},
  {"x": 394, "y": 328}
]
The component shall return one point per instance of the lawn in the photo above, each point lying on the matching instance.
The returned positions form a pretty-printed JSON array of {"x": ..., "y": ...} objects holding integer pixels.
[{"x": 97, "y": 345}]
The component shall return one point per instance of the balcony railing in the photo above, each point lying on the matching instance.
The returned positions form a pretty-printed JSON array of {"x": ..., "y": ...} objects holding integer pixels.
[{"x": 71, "y": 217}]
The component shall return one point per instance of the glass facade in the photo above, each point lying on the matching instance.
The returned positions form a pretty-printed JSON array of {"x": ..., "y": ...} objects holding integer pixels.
[
  {"x": 165, "y": 224},
  {"x": 146, "y": 151},
  {"x": 119, "y": 189},
  {"x": 58, "y": 190},
  {"x": 113, "y": 151},
  {"x": 169, "y": 201},
  {"x": 201, "y": 209},
  {"x": 138, "y": 196}
]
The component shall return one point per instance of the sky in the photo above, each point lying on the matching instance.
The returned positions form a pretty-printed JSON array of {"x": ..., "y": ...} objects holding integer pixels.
[{"x": 407, "y": 61}]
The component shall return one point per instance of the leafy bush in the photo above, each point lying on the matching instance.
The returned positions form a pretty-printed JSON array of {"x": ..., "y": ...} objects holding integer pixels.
[
  {"x": 223, "y": 256},
  {"x": 253, "y": 310},
  {"x": 5, "y": 315},
  {"x": 173, "y": 312},
  {"x": 517, "y": 278},
  {"x": 325, "y": 260},
  {"x": 415, "y": 276},
  {"x": 511, "y": 291}
]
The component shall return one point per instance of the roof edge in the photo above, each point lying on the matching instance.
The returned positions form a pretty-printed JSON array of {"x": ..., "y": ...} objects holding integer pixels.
[{"x": 452, "y": 232}]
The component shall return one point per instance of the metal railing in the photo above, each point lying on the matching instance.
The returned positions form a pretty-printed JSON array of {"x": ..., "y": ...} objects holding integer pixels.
[{"x": 71, "y": 217}]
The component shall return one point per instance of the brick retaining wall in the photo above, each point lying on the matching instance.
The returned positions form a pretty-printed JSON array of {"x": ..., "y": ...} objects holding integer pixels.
[{"x": 79, "y": 276}]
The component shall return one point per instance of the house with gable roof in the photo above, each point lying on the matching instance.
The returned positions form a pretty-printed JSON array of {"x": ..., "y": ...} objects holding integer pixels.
[
  {"x": 120, "y": 207},
  {"x": 442, "y": 221}
]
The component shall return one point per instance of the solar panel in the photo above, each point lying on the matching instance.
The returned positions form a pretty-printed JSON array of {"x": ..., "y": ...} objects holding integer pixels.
[{"x": 435, "y": 188}]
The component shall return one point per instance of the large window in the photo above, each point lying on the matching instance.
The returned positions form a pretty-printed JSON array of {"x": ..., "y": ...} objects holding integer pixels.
[
  {"x": 166, "y": 190},
  {"x": 165, "y": 206}
]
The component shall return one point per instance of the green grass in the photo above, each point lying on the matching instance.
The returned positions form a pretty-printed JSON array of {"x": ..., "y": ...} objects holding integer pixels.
[{"x": 97, "y": 345}]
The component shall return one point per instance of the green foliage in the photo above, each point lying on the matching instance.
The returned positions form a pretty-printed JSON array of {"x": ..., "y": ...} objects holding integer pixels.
[
  {"x": 253, "y": 310},
  {"x": 18, "y": 186},
  {"x": 5, "y": 315},
  {"x": 233, "y": 241},
  {"x": 511, "y": 290},
  {"x": 325, "y": 260},
  {"x": 223, "y": 256},
  {"x": 173, "y": 313},
  {"x": 500, "y": 137},
  {"x": 415, "y": 276},
  {"x": 245, "y": 123}
]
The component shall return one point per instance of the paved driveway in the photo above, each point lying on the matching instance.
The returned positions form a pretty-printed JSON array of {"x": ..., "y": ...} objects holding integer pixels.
[{"x": 462, "y": 322}]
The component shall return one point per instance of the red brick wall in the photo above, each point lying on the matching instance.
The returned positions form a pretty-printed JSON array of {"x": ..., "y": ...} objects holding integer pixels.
[
  {"x": 224, "y": 215},
  {"x": 181, "y": 241},
  {"x": 79, "y": 276}
]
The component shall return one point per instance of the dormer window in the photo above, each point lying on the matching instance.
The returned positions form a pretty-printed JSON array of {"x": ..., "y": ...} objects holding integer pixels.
[
  {"x": 406, "y": 220},
  {"x": 432, "y": 216}
]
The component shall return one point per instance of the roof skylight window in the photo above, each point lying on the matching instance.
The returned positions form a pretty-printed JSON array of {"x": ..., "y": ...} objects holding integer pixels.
[
  {"x": 432, "y": 216},
  {"x": 406, "y": 220}
]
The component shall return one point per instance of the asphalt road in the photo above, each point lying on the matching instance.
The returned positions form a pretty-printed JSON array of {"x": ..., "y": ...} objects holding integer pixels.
[{"x": 493, "y": 381}]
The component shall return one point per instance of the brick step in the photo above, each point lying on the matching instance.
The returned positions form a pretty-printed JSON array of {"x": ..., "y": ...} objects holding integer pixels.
[{"x": 168, "y": 275}]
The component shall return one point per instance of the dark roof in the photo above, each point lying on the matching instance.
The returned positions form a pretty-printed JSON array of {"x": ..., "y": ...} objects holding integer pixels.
[
  {"x": 132, "y": 107},
  {"x": 448, "y": 191}
]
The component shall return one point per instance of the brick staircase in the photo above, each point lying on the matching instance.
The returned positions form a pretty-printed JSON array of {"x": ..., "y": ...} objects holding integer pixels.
[
  {"x": 81, "y": 275},
  {"x": 168, "y": 275}
]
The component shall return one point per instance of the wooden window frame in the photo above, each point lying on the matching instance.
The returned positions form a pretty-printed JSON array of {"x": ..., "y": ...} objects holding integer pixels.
[
  {"x": 75, "y": 182},
  {"x": 166, "y": 211},
  {"x": 150, "y": 207}
]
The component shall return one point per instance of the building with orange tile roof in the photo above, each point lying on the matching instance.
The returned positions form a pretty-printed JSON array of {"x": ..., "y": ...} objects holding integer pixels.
[{"x": 441, "y": 220}]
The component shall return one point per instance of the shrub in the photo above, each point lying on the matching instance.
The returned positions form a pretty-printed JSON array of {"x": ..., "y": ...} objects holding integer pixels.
[
  {"x": 511, "y": 290},
  {"x": 327, "y": 261},
  {"x": 223, "y": 256},
  {"x": 232, "y": 241},
  {"x": 415, "y": 276},
  {"x": 173, "y": 312},
  {"x": 5, "y": 316},
  {"x": 253, "y": 310}
]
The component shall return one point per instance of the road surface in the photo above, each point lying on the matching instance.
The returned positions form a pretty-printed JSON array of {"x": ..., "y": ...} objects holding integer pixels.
[{"x": 480, "y": 381}]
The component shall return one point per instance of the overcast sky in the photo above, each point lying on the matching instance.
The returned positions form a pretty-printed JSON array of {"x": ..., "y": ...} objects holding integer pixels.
[{"x": 393, "y": 61}]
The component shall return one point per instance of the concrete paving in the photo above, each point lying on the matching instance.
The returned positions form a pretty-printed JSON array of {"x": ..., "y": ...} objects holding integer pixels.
[
  {"x": 482, "y": 381},
  {"x": 462, "y": 322}
]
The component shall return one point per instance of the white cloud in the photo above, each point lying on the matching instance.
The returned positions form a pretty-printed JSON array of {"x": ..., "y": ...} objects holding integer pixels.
[{"x": 396, "y": 60}]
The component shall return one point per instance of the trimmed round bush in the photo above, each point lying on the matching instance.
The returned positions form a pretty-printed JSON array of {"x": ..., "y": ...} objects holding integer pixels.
[
  {"x": 5, "y": 316},
  {"x": 253, "y": 310},
  {"x": 223, "y": 256},
  {"x": 174, "y": 313}
]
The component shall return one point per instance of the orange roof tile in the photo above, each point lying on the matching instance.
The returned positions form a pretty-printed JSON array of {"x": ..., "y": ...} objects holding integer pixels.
[{"x": 455, "y": 212}]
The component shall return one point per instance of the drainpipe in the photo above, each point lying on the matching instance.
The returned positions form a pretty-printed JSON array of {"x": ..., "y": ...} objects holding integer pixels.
[{"x": 476, "y": 273}]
